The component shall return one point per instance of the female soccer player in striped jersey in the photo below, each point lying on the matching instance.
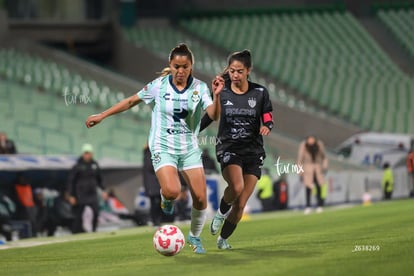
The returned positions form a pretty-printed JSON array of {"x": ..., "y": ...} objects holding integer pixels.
[
  {"x": 246, "y": 115},
  {"x": 177, "y": 100}
]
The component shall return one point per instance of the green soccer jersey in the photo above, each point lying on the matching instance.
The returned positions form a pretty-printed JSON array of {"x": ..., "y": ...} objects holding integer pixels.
[{"x": 176, "y": 115}]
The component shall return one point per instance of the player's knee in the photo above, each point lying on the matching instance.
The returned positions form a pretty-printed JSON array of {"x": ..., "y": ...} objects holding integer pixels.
[
  {"x": 171, "y": 192},
  {"x": 200, "y": 200},
  {"x": 238, "y": 189}
]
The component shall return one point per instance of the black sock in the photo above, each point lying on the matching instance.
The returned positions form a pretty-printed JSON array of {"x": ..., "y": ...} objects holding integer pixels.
[
  {"x": 308, "y": 196},
  {"x": 224, "y": 206},
  {"x": 228, "y": 229}
]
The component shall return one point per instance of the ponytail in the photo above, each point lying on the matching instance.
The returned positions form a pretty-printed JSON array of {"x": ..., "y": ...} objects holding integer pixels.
[{"x": 166, "y": 71}]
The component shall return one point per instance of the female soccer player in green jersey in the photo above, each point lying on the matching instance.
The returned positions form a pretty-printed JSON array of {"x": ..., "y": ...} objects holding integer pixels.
[{"x": 178, "y": 100}]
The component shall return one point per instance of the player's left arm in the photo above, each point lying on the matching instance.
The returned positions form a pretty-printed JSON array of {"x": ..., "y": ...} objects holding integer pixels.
[{"x": 267, "y": 117}]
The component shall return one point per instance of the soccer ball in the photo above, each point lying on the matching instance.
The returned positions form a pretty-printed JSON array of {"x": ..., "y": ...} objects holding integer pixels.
[{"x": 168, "y": 240}]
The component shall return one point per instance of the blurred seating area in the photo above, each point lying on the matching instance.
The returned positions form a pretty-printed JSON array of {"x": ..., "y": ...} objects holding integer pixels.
[
  {"x": 160, "y": 40},
  {"x": 401, "y": 23},
  {"x": 328, "y": 57},
  {"x": 45, "y": 106}
]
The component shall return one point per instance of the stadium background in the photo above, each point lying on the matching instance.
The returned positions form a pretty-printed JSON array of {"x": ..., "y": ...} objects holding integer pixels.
[{"x": 333, "y": 68}]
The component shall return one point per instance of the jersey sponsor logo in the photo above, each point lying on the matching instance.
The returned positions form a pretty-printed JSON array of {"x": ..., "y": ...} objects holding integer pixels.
[
  {"x": 228, "y": 103},
  {"x": 195, "y": 97},
  {"x": 240, "y": 111},
  {"x": 252, "y": 102},
  {"x": 179, "y": 113},
  {"x": 237, "y": 133},
  {"x": 177, "y": 131},
  {"x": 167, "y": 96}
]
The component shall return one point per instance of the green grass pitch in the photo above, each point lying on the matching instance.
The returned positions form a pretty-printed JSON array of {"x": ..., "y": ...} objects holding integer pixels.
[{"x": 371, "y": 240}]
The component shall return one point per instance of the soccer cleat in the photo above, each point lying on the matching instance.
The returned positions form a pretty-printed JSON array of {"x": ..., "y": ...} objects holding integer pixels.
[
  {"x": 195, "y": 244},
  {"x": 216, "y": 223},
  {"x": 319, "y": 210},
  {"x": 167, "y": 206},
  {"x": 223, "y": 244}
]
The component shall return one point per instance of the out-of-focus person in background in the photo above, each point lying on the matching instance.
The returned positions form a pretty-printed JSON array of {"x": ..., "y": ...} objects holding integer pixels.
[
  {"x": 25, "y": 202},
  {"x": 410, "y": 168},
  {"x": 265, "y": 191},
  {"x": 7, "y": 208},
  {"x": 208, "y": 162},
  {"x": 312, "y": 158},
  {"x": 387, "y": 181},
  {"x": 7, "y": 146},
  {"x": 280, "y": 192},
  {"x": 84, "y": 180},
  {"x": 152, "y": 187}
]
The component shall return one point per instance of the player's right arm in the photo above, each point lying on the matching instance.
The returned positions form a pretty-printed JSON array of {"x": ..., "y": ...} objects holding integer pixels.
[{"x": 122, "y": 106}]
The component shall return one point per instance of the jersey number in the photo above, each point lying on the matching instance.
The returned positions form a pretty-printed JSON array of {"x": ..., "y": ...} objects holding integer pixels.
[{"x": 179, "y": 114}]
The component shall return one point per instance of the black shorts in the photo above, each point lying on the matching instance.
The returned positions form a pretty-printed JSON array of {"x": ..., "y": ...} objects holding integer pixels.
[{"x": 250, "y": 164}]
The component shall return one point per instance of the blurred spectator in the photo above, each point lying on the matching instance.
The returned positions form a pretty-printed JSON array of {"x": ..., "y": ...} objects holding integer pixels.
[
  {"x": 265, "y": 191},
  {"x": 312, "y": 158},
  {"x": 116, "y": 206},
  {"x": 152, "y": 188},
  {"x": 84, "y": 180},
  {"x": 387, "y": 181},
  {"x": 41, "y": 210},
  {"x": 410, "y": 167},
  {"x": 208, "y": 162},
  {"x": 60, "y": 215},
  {"x": 6, "y": 145},
  {"x": 7, "y": 208},
  {"x": 280, "y": 192},
  {"x": 112, "y": 210},
  {"x": 25, "y": 204}
]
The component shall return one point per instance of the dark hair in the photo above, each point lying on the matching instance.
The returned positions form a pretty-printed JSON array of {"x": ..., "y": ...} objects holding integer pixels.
[
  {"x": 244, "y": 57},
  {"x": 179, "y": 50},
  {"x": 386, "y": 165}
]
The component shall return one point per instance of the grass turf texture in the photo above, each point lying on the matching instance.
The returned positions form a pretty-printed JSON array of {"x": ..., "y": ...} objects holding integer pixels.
[{"x": 286, "y": 243}]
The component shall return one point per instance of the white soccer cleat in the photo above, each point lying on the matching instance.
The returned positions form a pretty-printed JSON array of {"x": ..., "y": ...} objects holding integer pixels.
[
  {"x": 223, "y": 244},
  {"x": 216, "y": 223}
]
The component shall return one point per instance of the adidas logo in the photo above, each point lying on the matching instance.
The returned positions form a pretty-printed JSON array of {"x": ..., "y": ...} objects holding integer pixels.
[{"x": 228, "y": 103}]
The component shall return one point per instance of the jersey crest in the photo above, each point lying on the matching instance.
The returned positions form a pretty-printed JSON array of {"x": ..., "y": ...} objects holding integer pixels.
[{"x": 252, "y": 102}]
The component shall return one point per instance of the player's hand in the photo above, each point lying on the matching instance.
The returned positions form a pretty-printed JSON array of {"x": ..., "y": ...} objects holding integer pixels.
[
  {"x": 218, "y": 85},
  {"x": 264, "y": 130},
  {"x": 72, "y": 201},
  {"x": 104, "y": 195},
  {"x": 93, "y": 120}
]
